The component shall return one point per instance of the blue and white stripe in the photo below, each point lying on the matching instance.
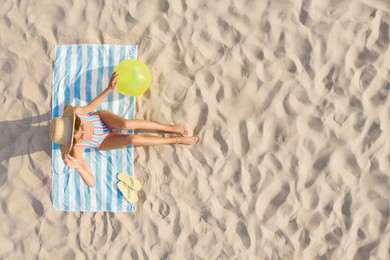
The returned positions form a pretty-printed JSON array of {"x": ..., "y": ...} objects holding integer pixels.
[{"x": 81, "y": 72}]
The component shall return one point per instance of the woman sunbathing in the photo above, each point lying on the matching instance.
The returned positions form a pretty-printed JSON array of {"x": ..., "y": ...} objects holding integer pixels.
[{"x": 80, "y": 128}]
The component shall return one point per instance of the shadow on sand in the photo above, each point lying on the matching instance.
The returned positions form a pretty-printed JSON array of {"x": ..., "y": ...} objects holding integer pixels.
[{"x": 23, "y": 137}]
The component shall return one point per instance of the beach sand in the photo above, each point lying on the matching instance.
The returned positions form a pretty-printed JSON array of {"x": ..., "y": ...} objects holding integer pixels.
[{"x": 290, "y": 100}]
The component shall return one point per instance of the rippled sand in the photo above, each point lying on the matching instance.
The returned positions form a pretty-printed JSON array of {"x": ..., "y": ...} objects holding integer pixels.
[{"x": 290, "y": 99}]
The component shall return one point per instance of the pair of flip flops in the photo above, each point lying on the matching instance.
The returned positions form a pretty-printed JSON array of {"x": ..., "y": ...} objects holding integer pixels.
[{"x": 129, "y": 186}]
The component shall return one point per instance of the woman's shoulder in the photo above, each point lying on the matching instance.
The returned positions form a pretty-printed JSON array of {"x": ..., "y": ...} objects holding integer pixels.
[
  {"x": 79, "y": 110},
  {"x": 77, "y": 150}
]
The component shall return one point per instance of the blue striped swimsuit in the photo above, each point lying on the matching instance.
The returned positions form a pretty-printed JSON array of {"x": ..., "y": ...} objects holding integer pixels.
[{"x": 100, "y": 131}]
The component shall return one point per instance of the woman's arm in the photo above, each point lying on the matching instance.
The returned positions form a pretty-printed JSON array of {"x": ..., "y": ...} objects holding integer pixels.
[
  {"x": 97, "y": 100},
  {"x": 78, "y": 162}
]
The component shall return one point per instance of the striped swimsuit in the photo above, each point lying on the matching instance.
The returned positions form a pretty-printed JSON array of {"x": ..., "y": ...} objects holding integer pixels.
[{"x": 100, "y": 131}]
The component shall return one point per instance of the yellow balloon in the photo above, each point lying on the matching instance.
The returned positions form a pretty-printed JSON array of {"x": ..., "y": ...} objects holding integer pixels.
[{"x": 133, "y": 77}]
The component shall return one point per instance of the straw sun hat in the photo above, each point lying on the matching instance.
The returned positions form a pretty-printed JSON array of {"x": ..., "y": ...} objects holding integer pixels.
[{"x": 62, "y": 130}]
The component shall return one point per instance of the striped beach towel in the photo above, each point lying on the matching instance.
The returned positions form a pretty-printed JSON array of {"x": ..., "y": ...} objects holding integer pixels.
[{"x": 81, "y": 72}]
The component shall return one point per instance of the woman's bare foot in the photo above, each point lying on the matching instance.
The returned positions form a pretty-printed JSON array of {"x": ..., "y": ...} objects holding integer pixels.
[
  {"x": 180, "y": 129},
  {"x": 187, "y": 140}
]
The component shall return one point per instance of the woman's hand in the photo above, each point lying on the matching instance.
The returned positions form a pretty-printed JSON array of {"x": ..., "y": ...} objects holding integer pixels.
[
  {"x": 113, "y": 81},
  {"x": 71, "y": 162}
]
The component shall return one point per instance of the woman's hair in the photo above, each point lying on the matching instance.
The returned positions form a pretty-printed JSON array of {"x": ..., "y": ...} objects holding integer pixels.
[{"x": 77, "y": 124}]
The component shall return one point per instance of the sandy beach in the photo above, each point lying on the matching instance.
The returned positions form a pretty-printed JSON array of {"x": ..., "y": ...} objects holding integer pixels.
[{"x": 290, "y": 99}]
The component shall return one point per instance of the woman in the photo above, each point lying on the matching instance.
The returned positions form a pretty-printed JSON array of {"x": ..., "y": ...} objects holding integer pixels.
[{"x": 80, "y": 128}]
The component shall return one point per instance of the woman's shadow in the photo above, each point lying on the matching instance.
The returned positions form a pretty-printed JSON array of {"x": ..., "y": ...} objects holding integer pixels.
[{"x": 24, "y": 137}]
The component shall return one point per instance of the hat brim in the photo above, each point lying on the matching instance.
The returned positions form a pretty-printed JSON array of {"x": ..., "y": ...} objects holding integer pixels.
[{"x": 68, "y": 113}]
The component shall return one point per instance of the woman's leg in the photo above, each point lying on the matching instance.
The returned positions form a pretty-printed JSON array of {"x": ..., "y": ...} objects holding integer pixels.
[
  {"x": 114, "y": 121},
  {"x": 118, "y": 140}
]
